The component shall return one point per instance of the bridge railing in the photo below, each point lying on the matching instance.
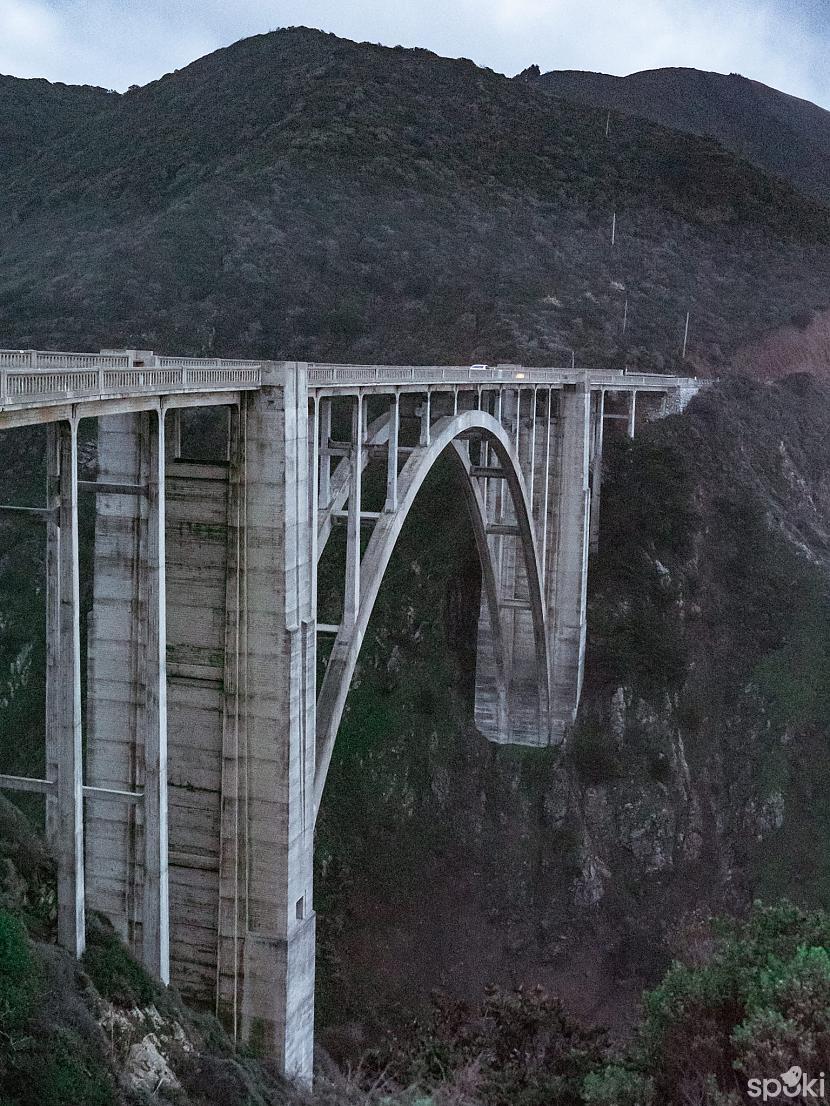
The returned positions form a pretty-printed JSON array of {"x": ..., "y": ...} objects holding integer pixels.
[
  {"x": 320, "y": 375},
  {"x": 433, "y": 374},
  {"x": 27, "y": 376}
]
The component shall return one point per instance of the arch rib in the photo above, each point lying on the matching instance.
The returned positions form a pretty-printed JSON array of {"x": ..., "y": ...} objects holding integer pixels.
[{"x": 346, "y": 648}]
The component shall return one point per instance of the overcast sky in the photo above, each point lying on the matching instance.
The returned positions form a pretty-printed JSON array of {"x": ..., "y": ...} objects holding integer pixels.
[{"x": 116, "y": 43}]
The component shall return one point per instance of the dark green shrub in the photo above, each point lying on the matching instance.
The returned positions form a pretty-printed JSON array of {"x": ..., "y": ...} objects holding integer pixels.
[
  {"x": 760, "y": 1005},
  {"x": 615, "y": 1085},
  {"x": 117, "y": 976},
  {"x": 19, "y": 975},
  {"x": 526, "y": 1050}
]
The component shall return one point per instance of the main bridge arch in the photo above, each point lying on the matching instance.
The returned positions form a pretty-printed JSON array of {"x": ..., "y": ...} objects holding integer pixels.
[{"x": 452, "y": 433}]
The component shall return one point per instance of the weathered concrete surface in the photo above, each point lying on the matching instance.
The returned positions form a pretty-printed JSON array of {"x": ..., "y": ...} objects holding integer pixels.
[
  {"x": 127, "y": 842},
  {"x": 267, "y": 923},
  {"x": 64, "y": 756},
  {"x": 566, "y": 580},
  {"x": 240, "y": 707},
  {"x": 116, "y": 675}
]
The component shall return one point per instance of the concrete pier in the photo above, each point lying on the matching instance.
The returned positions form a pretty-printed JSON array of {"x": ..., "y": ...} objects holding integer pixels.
[
  {"x": 126, "y": 769},
  {"x": 64, "y": 739},
  {"x": 235, "y": 757},
  {"x": 567, "y": 570}
]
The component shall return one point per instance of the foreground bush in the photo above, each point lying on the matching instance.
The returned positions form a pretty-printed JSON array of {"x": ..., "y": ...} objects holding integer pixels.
[
  {"x": 518, "y": 1048},
  {"x": 758, "y": 1008}
]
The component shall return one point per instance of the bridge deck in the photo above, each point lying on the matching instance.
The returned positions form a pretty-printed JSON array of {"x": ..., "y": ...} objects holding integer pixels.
[
  {"x": 39, "y": 383},
  {"x": 36, "y": 386},
  {"x": 336, "y": 377}
]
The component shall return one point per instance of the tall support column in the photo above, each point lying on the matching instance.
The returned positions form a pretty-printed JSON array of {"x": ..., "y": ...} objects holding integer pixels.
[
  {"x": 533, "y": 421},
  {"x": 156, "y": 920},
  {"x": 314, "y": 462},
  {"x": 545, "y": 505},
  {"x": 64, "y": 755},
  {"x": 116, "y": 679},
  {"x": 632, "y": 412},
  {"x": 324, "y": 404},
  {"x": 233, "y": 786},
  {"x": 596, "y": 467},
  {"x": 351, "y": 600},
  {"x": 127, "y": 846},
  {"x": 277, "y": 988},
  {"x": 53, "y": 616},
  {"x": 391, "y": 504},
  {"x": 426, "y": 420},
  {"x": 568, "y": 571}
]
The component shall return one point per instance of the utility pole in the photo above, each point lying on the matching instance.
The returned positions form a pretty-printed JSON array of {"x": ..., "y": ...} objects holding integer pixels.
[
  {"x": 686, "y": 336},
  {"x": 625, "y": 315},
  {"x": 608, "y": 125},
  {"x": 614, "y": 229}
]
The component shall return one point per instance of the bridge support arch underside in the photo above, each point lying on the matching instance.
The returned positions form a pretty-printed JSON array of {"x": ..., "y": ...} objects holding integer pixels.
[
  {"x": 513, "y": 668},
  {"x": 186, "y": 811}
]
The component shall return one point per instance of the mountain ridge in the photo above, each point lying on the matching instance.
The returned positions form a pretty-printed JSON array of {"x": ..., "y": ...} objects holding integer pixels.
[
  {"x": 424, "y": 208},
  {"x": 781, "y": 133}
]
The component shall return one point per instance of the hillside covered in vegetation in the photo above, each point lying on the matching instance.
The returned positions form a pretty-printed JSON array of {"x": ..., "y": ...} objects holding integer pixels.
[
  {"x": 301, "y": 196},
  {"x": 782, "y": 134}
]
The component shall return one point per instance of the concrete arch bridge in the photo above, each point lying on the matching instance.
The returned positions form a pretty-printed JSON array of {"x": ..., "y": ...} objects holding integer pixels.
[{"x": 181, "y": 801}]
